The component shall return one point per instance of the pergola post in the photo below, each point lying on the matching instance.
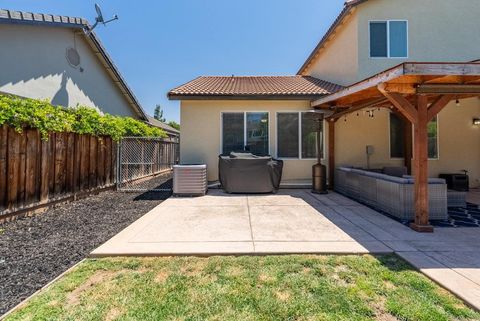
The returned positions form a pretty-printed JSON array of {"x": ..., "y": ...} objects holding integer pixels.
[
  {"x": 407, "y": 148},
  {"x": 420, "y": 160},
  {"x": 331, "y": 153}
]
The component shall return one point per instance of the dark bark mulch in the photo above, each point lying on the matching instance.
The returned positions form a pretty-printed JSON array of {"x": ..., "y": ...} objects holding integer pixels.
[{"x": 34, "y": 250}]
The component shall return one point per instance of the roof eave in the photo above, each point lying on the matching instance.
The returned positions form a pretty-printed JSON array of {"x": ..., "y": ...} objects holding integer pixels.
[
  {"x": 172, "y": 96},
  {"x": 92, "y": 36}
]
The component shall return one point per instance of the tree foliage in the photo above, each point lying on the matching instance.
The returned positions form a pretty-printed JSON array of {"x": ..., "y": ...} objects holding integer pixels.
[
  {"x": 174, "y": 124},
  {"x": 158, "y": 114},
  {"x": 21, "y": 113}
]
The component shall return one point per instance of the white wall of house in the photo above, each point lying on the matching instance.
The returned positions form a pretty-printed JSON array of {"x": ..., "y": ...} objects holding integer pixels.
[{"x": 33, "y": 64}]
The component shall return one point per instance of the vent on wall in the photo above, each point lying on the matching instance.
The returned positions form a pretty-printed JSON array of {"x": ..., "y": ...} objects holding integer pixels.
[{"x": 73, "y": 57}]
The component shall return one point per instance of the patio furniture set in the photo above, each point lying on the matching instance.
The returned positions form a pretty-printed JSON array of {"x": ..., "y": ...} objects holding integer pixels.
[{"x": 391, "y": 191}]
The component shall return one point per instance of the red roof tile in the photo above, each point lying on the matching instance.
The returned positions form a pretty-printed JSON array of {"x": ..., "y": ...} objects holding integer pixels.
[{"x": 254, "y": 86}]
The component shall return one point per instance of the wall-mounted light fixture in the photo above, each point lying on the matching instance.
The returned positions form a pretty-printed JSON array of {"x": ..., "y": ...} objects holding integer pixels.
[{"x": 476, "y": 121}]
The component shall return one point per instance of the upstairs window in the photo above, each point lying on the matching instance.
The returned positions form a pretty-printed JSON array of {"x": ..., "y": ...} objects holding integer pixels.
[{"x": 389, "y": 39}]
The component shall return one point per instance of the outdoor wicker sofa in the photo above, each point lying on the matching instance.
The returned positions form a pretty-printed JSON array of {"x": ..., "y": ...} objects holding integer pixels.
[{"x": 389, "y": 194}]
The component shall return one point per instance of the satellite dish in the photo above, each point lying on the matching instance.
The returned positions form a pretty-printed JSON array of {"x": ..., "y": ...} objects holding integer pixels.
[
  {"x": 100, "y": 19},
  {"x": 99, "y": 13}
]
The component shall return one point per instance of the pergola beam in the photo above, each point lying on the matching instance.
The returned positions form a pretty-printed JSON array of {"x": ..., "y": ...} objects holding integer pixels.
[
  {"x": 370, "y": 104},
  {"x": 401, "y": 103},
  {"x": 445, "y": 89}
]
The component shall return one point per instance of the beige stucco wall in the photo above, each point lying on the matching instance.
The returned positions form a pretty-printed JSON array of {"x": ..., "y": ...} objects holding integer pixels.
[
  {"x": 201, "y": 132},
  {"x": 338, "y": 61},
  {"x": 33, "y": 64},
  {"x": 459, "y": 140},
  {"x": 438, "y": 30}
]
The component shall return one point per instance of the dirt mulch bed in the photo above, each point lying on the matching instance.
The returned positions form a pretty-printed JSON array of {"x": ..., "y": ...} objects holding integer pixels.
[{"x": 34, "y": 250}]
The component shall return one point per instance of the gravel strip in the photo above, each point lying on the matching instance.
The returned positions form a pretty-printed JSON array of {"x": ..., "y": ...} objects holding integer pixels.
[{"x": 34, "y": 250}]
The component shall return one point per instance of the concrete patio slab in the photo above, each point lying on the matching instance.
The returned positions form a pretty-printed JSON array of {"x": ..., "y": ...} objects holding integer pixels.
[
  {"x": 294, "y": 222},
  {"x": 197, "y": 224}
]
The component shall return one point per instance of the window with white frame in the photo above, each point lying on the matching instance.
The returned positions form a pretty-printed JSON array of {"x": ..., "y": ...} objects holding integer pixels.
[
  {"x": 389, "y": 39},
  {"x": 297, "y": 135},
  {"x": 397, "y": 140},
  {"x": 245, "y": 131}
]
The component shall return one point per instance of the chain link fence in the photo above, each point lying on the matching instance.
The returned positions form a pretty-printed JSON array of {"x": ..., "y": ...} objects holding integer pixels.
[{"x": 141, "y": 159}]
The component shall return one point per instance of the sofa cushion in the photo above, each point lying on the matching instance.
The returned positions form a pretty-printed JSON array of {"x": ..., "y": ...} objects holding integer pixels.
[{"x": 397, "y": 171}]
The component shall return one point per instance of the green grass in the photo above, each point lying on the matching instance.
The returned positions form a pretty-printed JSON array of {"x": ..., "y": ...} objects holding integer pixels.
[{"x": 246, "y": 288}]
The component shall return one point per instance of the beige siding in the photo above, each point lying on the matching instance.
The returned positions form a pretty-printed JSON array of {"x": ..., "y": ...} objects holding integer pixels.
[
  {"x": 459, "y": 140},
  {"x": 338, "y": 61},
  {"x": 33, "y": 64},
  {"x": 439, "y": 30},
  {"x": 201, "y": 132}
]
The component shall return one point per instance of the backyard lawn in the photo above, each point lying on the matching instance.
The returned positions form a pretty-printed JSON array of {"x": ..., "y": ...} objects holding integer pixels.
[{"x": 245, "y": 288}]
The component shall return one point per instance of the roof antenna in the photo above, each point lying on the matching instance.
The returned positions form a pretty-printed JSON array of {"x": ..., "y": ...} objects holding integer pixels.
[{"x": 100, "y": 19}]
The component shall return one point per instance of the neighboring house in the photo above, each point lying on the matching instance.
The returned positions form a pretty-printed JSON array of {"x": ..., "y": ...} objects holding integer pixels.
[
  {"x": 171, "y": 132},
  {"x": 220, "y": 114},
  {"x": 56, "y": 58}
]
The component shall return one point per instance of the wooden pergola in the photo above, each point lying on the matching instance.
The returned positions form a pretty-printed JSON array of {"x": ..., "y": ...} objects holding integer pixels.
[{"x": 416, "y": 92}]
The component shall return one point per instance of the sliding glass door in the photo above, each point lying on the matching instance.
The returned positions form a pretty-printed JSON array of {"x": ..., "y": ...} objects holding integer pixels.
[{"x": 245, "y": 131}]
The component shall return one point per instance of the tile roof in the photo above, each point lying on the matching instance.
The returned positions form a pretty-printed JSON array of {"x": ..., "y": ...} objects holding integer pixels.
[
  {"x": 40, "y": 18},
  {"x": 254, "y": 87},
  {"x": 20, "y": 17}
]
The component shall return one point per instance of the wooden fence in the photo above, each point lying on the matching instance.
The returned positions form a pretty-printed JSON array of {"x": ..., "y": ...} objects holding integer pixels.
[{"x": 35, "y": 172}]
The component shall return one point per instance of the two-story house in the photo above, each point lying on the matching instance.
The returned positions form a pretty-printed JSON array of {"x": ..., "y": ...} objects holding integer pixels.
[{"x": 419, "y": 111}]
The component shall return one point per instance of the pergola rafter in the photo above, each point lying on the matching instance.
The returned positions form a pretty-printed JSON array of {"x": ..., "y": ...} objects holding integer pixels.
[{"x": 417, "y": 92}]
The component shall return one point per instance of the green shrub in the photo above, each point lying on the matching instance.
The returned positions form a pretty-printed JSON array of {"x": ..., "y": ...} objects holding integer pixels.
[{"x": 21, "y": 113}]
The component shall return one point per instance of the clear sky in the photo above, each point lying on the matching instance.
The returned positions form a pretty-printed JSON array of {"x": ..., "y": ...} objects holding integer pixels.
[{"x": 158, "y": 45}]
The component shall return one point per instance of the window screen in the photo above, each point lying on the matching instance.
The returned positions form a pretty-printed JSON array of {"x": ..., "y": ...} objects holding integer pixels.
[
  {"x": 233, "y": 132},
  {"x": 378, "y": 39},
  {"x": 257, "y": 133},
  {"x": 309, "y": 135},
  {"x": 398, "y": 39},
  {"x": 287, "y": 135}
]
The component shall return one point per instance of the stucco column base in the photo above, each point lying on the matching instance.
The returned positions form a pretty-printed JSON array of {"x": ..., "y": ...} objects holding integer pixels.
[{"x": 421, "y": 228}]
